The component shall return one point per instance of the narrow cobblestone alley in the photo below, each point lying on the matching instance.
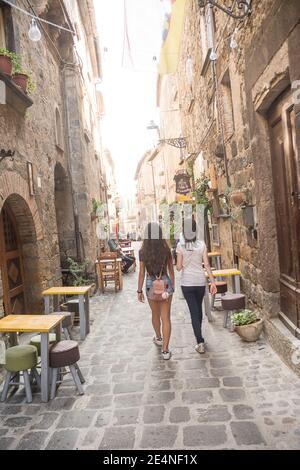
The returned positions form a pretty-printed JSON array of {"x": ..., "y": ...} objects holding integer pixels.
[{"x": 235, "y": 396}]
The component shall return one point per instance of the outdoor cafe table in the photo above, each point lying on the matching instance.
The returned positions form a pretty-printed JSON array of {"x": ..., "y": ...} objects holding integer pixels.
[
  {"x": 84, "y": 304},
  {"x": 235, "y": 276},
  {"x": 41, "y": 324},
  {"x": 109, "y": 261}
]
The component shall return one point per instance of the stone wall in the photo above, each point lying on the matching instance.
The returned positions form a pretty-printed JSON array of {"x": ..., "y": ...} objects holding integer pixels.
[
  {"x": 224, "y": 116},
  {"x": 54, "y": 136}
]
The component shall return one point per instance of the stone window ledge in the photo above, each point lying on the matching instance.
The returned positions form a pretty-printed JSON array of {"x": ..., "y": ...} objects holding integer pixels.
[{"x": 14, "y": 96}]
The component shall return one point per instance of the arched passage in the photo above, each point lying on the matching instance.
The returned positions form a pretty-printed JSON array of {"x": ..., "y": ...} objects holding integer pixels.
[{"x": 19, "y": 260}]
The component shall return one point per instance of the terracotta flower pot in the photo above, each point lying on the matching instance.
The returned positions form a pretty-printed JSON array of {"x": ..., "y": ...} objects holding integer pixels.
[
  {"x": 5, "y": 64},
  {"x": 237, "y": 198},
  {"x": 250, "y": 332},
  {"x": 21, "y": 80}
]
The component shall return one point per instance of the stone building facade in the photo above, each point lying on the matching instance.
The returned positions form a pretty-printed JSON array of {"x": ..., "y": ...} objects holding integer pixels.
[
  {"x": 46, "y": 192},
  {"x": 242, "y": 124}
]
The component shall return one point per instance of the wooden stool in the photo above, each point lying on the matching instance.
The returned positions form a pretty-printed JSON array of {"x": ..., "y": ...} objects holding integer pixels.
[
  {"x": 221, "y": 289},
  {"x": 63, "y": 354},
  {"x": 231, "y": 302},
  {"x": 20, "y": 359}
]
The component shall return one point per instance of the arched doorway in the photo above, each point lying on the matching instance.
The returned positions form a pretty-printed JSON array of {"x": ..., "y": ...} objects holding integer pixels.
[
  {"x": 19, "y": 261},
  {"x": 11, "y": 264}
]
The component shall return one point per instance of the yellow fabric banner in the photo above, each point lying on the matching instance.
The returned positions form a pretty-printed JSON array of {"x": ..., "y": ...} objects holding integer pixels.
[{"x": 172, "y": 35}]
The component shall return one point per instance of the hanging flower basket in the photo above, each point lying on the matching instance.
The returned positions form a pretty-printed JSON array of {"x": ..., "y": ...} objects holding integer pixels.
[
  {"x": 5, "y": 64},
  {"x": 21, "y": 80}
]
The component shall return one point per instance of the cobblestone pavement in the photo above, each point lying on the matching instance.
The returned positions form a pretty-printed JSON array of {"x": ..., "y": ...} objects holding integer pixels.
[{"x": 235, "y": 396}]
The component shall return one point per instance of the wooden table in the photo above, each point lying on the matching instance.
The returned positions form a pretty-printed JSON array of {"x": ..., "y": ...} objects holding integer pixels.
[
  {"x": 108, "y": 261},
  {"x": 217, "y": 256},
  {"x": 84, "y": 304},
  {"x": 41, "y": 324},
  {"x": 235, "y": 276}
]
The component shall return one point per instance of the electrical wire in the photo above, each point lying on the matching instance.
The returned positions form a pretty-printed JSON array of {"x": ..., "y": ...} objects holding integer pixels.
[{"x": 37, "y": 17}]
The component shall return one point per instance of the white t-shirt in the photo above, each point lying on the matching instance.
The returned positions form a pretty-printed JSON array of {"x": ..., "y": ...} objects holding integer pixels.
[{"x": 192, "y": 273}]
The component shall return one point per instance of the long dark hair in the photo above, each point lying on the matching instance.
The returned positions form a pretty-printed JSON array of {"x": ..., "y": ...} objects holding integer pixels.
[{"x": 155, "y": 250}]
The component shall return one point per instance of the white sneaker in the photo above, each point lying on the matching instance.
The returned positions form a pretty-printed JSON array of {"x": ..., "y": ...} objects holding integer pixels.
[
  {"x": 200, "y": 348},
  {"x": 157, "y": 341},
  {"x": 166, "y": 355}
]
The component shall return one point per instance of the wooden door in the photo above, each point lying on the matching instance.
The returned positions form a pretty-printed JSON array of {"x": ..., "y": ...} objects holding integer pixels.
[
  {"x": 11, "y": 264},
  {"x": 286, "y": 184}
]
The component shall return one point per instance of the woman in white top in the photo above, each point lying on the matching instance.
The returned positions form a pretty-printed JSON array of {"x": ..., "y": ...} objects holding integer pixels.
[{"x": 191, "y": 253}]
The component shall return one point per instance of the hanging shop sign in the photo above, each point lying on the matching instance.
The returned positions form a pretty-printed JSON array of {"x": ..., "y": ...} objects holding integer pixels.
[{"x": 183, "y": 183}]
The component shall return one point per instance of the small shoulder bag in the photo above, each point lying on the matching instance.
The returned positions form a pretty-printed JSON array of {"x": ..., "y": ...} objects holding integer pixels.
[{"x": 158, "y": 291}]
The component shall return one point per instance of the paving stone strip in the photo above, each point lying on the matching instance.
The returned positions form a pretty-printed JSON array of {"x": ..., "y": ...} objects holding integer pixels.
[{"x": 235, "y": 396}]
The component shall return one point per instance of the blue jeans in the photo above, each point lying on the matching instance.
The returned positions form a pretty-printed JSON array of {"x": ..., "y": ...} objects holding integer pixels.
[{"x": 194, "y": 298}]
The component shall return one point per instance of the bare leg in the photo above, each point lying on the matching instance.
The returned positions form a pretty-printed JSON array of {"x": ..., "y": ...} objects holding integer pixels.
[
  {"x": 165, "y": 311},
  {"x": 155, "y": 309}
]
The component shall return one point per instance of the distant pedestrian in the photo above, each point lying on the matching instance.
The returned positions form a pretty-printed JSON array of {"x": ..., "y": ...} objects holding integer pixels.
[
  {"x": 191, "y": 253},
  {"x": 156, "y": 263}
]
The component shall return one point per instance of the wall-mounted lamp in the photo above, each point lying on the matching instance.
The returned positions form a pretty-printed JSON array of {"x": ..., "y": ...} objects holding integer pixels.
[
  {"x": 244, "y": 7},
  {"x": 178, "y": 142}
]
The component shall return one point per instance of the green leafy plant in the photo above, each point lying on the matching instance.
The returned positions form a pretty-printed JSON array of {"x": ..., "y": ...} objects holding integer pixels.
[
  {"x": 201, "y": 186},
  {"x": 78, "y": 271},
  {"x": 17, "y": 68},
  {"x": 5, "y": 52},
  {"x": 96, "y": 205},
  {"x": 244, "y": 317}
]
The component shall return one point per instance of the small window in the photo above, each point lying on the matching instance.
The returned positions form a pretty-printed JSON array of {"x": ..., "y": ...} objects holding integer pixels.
[
  {"x": 58, "y": 130},
  {"x": 2, "y": 30}
]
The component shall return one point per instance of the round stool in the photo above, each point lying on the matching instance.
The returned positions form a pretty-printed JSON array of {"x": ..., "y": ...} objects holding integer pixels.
[
  {"x": 231, "y": 302},
  {"x": 63, "y": 354},
  {"x": 20, "y": 359},
  {"x": 221, "y": 289},
  {"x": 36, "y": 341},
  {"x": 67, "y": 322}
]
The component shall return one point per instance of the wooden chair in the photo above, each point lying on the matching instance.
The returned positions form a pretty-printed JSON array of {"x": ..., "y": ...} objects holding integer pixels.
[{"x": 109, "y": 271}]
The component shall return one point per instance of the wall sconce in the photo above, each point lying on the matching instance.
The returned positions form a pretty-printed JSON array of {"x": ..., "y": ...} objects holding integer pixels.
[{"x": 244, "y": 6}]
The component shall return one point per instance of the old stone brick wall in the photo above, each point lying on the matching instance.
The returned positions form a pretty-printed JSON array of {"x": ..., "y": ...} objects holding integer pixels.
[
  {"x": 242, "y": 85},
  {"x": 33, "y": 138}
]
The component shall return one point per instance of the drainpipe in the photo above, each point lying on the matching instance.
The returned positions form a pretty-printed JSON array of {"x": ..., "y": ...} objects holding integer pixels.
[{"x": 69, "y": 159}]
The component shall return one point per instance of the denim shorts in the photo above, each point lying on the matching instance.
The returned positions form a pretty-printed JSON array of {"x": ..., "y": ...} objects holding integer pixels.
[{"x": 165, "y": 277}]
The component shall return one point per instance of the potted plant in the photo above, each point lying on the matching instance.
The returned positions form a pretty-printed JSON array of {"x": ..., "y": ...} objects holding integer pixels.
[
  {"x": 20, "y": 76},
  {"x": 96, "y": 206},
  {"x": 5, "y": 61},
  {"x": 238, "y": 198},
  {"x": 247, "y": 325}
]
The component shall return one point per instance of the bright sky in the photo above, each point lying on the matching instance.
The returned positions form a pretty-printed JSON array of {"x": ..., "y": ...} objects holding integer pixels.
[{"x": 129, "y": 90}]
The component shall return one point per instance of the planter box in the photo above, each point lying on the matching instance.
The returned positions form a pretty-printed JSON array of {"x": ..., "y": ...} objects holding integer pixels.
[
  {"x": 21, "y": 80},
  {"x": 250, "y": 332},
  {"x": 5, "y": 64}
]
